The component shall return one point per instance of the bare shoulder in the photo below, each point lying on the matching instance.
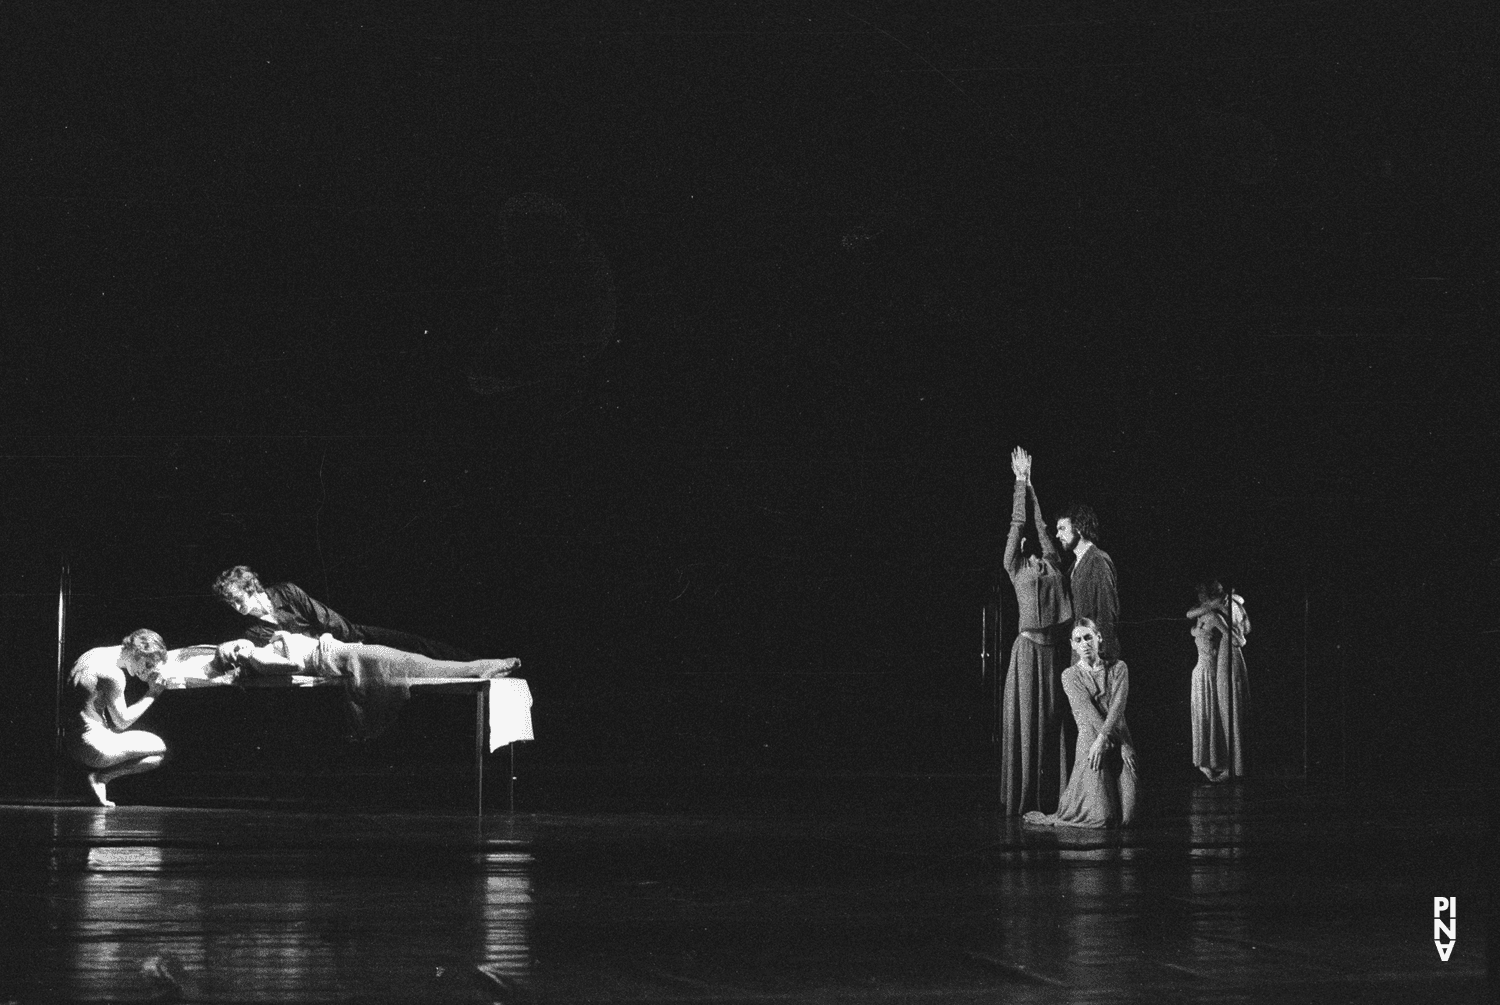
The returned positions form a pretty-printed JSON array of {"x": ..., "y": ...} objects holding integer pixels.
[
  {"x": 99, "y": 667},
  {"x": 99, "y": 657}
]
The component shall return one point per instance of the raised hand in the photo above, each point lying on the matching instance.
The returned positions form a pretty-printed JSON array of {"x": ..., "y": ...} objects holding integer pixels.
[{"x": 1021, "y": 464}]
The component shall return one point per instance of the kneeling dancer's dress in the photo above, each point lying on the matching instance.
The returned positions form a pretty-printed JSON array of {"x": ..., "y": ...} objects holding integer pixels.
[{"x": 1104, "y": 796}]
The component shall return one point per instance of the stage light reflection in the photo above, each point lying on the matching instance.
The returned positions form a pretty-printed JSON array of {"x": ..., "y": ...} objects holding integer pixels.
[{"x": 139, "y": 918}]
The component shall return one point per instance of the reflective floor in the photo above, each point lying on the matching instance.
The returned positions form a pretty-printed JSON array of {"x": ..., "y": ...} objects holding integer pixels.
[{"x": 1251, "y": 893}]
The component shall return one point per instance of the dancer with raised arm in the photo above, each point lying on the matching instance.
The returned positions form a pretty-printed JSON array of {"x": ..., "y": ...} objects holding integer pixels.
[
  {"x": 101, "y": 738},
  {"x": 1033, "y": 757},
  {"x": 1220, "y": 689},
  {"x": 1102, "y": 789}
]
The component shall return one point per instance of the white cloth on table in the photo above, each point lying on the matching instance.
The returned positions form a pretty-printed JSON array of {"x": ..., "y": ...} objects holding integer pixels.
[{"x": 510, "y": 711}]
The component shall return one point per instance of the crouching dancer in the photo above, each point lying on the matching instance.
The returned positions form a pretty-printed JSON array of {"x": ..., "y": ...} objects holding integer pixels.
[
  {"x": 101, "y": 738},
  {"x": 375, "y": 678}
]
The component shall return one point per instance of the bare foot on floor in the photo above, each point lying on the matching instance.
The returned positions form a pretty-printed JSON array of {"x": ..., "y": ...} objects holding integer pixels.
[{"x": 98, "y": 790}]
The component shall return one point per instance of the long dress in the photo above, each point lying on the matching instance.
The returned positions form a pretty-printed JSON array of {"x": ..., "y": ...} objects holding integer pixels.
[
  {"x": 1104, "y": 796},
  {"x": 376, "y": 678},
  {"x": 1033, "y": 753},
  {"x": 1220, "y": 690}
]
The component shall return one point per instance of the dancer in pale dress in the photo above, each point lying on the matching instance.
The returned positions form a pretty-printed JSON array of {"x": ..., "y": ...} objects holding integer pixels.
[
  {"x": 376, "y": 678},
  {"x": 1102, "y": 788},
  {"x": 1033, "y": 757},
  {"x": 1220, "y": 690}
]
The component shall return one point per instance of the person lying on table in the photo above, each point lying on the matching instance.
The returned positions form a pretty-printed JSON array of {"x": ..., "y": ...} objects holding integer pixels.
[
  {"x": 376, "y": 678},
  {"x": 288, "y": 607}
]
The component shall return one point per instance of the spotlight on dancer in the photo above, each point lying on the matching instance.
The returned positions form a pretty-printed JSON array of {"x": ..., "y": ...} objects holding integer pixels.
[
  {"x": 101, "y": 739},
  {"x": 1102, "y": 789},
  {"x": 1219, "y": 689},
  {"x": 1033, "y": 757}
]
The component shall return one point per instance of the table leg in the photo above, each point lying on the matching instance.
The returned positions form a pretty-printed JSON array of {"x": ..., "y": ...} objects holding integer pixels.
[{"x": 480, "y": 705}]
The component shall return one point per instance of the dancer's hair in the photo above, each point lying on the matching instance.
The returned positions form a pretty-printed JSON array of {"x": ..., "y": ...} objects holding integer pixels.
[
  {"x": 1210, "y": 591},
  {"x": 240, "y": 579},
  {"x": 1084, "y": 520},
  {"x": 146, "y": 646}
]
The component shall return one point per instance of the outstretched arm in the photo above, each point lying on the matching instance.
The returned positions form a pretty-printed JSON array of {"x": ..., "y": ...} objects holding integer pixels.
[
  {"x": 319, "y": 616},
  {"x": 1122, "y": 691},
  {"x": 1084, "y": 712},
  {"x": 1117, "y": 712},
  {"x": 1013, "y": 558},
  {"x": 244, "y": 654},
  {"x": 1043, "y": 537},
  {"x": 1105, "y": 727},
  {"x": 1020, "y": 466}
]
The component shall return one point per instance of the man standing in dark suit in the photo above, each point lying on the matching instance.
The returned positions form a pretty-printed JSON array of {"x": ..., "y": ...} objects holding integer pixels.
[
  {"x": 1091, "y": 576},
  {"x": 287, "y": 607}
]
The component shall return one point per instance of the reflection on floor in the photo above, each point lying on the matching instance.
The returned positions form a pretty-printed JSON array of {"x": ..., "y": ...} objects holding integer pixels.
[{"x": 1253, "y": 892}]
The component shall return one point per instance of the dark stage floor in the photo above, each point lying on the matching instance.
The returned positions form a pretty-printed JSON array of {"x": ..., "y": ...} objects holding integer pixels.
[{"x": 1262, "y": 892}]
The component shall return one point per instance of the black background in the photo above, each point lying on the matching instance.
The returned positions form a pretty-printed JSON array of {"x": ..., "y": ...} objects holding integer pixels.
[{"x": 679, "y": 349}]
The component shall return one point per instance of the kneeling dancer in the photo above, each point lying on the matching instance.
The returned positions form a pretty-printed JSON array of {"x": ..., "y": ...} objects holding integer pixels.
[{"x": 1101, "y": 791}]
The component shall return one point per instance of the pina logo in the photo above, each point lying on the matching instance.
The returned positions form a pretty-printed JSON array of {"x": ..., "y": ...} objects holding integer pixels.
[{"x": 1444, "y": 930}]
